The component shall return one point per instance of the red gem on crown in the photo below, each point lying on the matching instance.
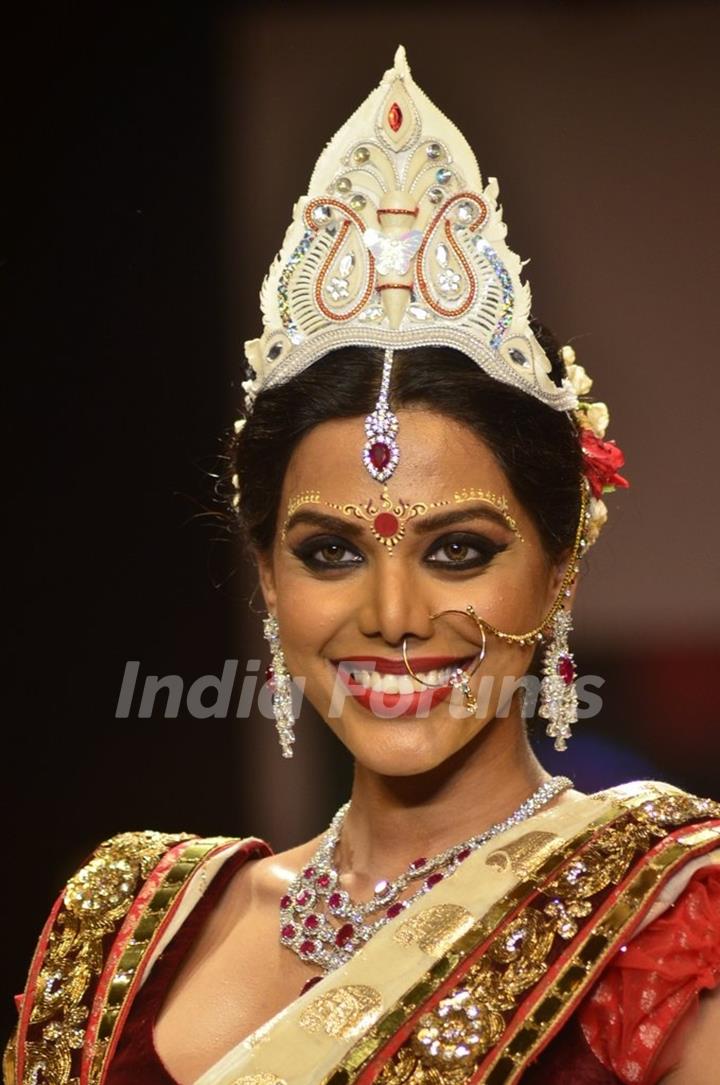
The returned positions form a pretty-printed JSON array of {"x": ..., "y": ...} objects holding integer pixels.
[{"x": 395, "y": 117}]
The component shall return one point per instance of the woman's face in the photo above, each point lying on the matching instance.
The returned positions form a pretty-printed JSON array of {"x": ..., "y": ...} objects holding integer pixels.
[{"x": 346, "y": 589}]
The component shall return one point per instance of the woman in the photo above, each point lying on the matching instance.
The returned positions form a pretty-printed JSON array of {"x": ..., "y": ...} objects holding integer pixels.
[{"x": 419, "y": 473}]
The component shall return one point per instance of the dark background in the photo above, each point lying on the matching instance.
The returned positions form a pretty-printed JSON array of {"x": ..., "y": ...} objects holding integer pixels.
[{"x": 156, "y": 151}]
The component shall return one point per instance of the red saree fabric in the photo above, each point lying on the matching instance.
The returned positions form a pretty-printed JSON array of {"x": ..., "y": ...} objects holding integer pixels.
[
  {"x": 654, "y": 984},
  {"x": 616, "y": 1035}
]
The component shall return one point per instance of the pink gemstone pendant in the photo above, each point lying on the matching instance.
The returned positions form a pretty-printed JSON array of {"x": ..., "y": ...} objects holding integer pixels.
[{"x": 380, "y": 455}]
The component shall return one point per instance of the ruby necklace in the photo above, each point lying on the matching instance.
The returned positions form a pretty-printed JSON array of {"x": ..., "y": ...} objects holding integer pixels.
[{"x": 323, "y": 925}]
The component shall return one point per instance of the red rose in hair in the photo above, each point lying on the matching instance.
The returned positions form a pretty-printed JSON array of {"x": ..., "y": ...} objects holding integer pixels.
[{"x": 603, "y": 459}]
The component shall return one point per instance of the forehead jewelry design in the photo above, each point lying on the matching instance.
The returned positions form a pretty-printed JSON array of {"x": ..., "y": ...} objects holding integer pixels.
[
  {"x": 381, "y": 453},
  {"x": 388, "y": 519}
]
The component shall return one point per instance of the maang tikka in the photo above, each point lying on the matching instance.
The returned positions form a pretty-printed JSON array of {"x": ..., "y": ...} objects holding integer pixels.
[
  {"x": 558, "y": 695},
  {"x": 280, "y": 684}
]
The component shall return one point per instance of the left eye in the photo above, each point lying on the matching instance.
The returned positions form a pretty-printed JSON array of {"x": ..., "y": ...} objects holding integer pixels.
[{"x": 465, "y": 552}]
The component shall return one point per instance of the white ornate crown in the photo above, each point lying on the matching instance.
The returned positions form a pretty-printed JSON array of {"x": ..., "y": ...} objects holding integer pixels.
[{"x": 398, "y": 244}]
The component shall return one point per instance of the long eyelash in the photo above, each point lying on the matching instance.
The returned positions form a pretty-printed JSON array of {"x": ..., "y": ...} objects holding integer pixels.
[
  {"x": 305, "y": 551},
  {"x": 487, "y": 550}
]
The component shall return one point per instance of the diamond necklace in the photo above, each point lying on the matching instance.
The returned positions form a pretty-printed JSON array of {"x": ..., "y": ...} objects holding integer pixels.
[{"x": 314, "y": 898}]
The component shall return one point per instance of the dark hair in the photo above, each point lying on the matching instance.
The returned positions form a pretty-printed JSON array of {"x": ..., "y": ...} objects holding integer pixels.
[{"x": 536, "y": 445}]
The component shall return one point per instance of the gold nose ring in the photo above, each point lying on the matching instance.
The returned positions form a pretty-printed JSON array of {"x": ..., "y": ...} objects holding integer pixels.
[{"x": 459, "y": 679}]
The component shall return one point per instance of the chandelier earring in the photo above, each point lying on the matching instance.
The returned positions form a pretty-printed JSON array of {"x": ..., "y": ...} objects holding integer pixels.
[
  {"x": 558, "y": 695},
  {"x": 280, "y": 684}
]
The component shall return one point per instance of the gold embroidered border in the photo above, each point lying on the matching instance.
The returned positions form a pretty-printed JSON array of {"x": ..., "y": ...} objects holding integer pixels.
[
  {"x": 578, "y": 974},
  {"x": 116, "y": 990},
  {"x": 56, "y": 1022},
  {"x": 649, "y": 813}
]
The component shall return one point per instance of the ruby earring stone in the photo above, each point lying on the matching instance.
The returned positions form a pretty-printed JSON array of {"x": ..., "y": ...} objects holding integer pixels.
[{"x": 566, "y": 670}]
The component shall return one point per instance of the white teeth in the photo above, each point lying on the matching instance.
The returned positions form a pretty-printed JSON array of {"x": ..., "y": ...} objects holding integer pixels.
[{"x": 401, "y": 683}]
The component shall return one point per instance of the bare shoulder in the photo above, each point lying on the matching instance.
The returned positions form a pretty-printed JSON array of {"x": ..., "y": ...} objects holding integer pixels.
[
  {"x": 253, "y": 893},
  {"x": 264, "y": 879}
]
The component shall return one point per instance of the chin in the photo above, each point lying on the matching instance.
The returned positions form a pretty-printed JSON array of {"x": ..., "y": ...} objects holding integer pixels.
[{"x": 404, "y": 747}]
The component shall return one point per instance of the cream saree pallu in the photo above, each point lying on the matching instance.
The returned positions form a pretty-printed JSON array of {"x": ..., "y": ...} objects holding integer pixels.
[
  {"x": 467, "y": 985},
  {"x": 475, "y": 978}
]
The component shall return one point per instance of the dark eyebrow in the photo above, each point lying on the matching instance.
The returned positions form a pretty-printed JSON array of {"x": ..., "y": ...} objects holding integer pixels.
[
  {"x": 426, "y": 524},
  {"x": 325, "y": 521},
  {"x": 423, "y": 524}
]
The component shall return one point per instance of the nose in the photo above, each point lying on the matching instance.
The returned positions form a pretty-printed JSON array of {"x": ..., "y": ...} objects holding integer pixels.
[{"x": 393, "y": 605}]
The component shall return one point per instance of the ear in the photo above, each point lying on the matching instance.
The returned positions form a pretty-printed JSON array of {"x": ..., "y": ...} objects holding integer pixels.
[
  {"x": 266, "y": 577},
  {"x": 557, "y": 572}
]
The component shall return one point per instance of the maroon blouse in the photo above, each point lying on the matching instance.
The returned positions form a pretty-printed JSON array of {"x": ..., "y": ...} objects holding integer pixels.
[{"x": 136, "y": 1062}]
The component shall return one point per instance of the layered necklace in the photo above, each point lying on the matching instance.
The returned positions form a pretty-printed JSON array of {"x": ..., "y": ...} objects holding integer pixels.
[{"x": 323, "y": 925}]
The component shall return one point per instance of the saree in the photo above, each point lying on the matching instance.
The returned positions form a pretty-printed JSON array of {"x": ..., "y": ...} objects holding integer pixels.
[{"x": 470, "y": 983}]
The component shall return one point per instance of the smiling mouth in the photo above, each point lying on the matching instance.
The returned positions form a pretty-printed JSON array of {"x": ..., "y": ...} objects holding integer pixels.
[{"x": 374, "y": 680}]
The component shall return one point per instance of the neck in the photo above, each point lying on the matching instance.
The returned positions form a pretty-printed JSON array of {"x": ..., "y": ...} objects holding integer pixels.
[{"x": 394, "y": 820}]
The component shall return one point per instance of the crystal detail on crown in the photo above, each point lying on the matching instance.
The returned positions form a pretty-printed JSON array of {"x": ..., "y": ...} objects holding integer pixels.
[{"x": 399, "y": 244}]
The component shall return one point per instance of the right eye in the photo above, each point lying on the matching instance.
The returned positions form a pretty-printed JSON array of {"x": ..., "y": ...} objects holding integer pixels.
[{"x": 327, "y": 553}]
